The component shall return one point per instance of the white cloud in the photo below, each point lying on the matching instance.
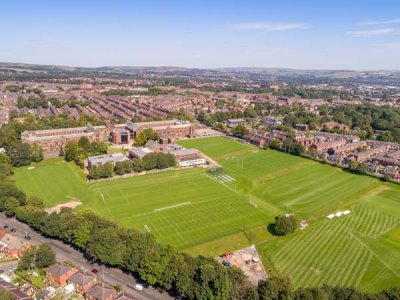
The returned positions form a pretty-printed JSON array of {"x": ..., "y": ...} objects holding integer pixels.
[
  {"x": 379, "y": 22},
  {"x": 374, "y": 32},
  {"x": 267, "y": 26}
]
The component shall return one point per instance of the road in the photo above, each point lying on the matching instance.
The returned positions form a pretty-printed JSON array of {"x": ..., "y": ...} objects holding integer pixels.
[
  {"x": 8, "y": 266},
  {"x": 67, "y": 253}
]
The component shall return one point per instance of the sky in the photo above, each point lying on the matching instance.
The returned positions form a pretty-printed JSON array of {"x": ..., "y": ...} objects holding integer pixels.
[{"x": 302, "y": 34}]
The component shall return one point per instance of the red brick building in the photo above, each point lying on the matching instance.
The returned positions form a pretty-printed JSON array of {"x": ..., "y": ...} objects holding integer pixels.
[
  {"x": 172, "y": 129},
  {"x": 100, "y": 293},
  {"x": 52, "y": 140},
  {"x": 13, "y": 246},
  {"x": 82, "y": 282},
  {"x": 59, "y": 274},
  {"x": 120, "y": 137}
]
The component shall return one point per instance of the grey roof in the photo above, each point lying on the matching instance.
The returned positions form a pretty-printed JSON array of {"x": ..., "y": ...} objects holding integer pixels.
[
  {"x": 120, "y": 130},
  {"x": 14, "y": 290},
  {"x": 151, "y": 143},
  {"x": 185, "y": 152},
  {"x": 107, "y": 158},
  {"x": 58, "y": 270},
  {"x": 135, "y": 126},
  {"x": 139, "y": 153},
  {"x": 100, "y": 293},
  {"x": 81, "y": 279}
]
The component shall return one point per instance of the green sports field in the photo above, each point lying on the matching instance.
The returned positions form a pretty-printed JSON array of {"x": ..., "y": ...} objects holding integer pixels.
[{"x": 210, "y": 213}]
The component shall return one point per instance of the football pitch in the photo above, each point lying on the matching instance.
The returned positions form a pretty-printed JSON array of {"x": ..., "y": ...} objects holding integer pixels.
[{"x": 203, "y": 212}]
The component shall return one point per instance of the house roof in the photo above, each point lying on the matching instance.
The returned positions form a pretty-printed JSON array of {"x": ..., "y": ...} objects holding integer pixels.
[
  {"x": 183, "y": 152},
  {"x": 58, "y": 270},
  {"x": 191, "y": 157},
  {"x": 81, "y": 279},
  {"x": 126, "y": 297},
  {"x": 13, "y": 242},
  {"x": 151, "y": 144},
  {"x": 12, "y": 289},
  {"x": 140, "y": 153},
  {"x": 107, "y": 158},
  {"x": 2, "y": 233},
  {"x": 100, "y": 293}
]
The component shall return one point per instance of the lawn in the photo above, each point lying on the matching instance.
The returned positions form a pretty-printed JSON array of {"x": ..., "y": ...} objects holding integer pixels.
[
  {"x": 196, "y": 212},
  {"x": 183, "y": 208},
  {"x": 360, "y": 249},
  {"x": 54, "y": 180}
]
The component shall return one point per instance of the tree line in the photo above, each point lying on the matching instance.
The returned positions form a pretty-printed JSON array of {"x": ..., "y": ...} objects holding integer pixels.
[
  {"x": 148, "y": 162},
  {"x": 78, "y": 151}
]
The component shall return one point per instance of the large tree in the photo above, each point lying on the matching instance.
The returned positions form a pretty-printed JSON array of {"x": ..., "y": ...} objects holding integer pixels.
[
  {"x": 71, "y": 151},
  {"x": 145, "y": 135},
  {"x": 285, "y": 224},
  {"x": 239, "y": 131},
  {"x": 275, "y": 288},
  {"x": 10, "y": 205},
  {"x": 150, "y": 161},
  {"x": 84, "y": 145},
  {"x": 36, "y": 153},
  {"x": 20, "y": 155},
  {"x": 45, "y": 256}
]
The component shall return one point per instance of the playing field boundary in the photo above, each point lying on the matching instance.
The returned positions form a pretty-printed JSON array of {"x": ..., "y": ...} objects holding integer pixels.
[{"x": 171, "y": 206}]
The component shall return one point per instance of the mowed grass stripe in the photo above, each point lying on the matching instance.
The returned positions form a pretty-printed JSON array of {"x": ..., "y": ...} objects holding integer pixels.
[
  {"x": 359, "y": 267},
  {"x": 318, "y": 256},
  {"x": 301, "y": 249},
  {"x": 336, "y": 259},
  {"x": 325, "y": 257}
]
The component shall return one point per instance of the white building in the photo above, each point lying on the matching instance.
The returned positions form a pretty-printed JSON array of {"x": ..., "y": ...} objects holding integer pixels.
[{"x": 191, "y": 161}]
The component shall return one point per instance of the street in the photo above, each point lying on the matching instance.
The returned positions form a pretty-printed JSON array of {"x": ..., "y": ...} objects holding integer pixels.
[{"x": 66, "y": 253}]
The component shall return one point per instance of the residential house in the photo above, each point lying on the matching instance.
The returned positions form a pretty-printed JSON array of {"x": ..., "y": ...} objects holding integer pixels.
[
  {"x": 82, "y": 282},
  {"x": 234, "y": 122},
  {"x": 100, "y": 293},
  {"x": 59, "y": 274},
  {"x": 17, "y": 294},
  {"x": 13, "y": 246}
]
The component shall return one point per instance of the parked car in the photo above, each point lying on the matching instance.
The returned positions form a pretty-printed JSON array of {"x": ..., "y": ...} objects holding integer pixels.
[
  {"x": 138, "y": 287},
  {"x": 13, "y": 230},
  {"x": 5, "y": 227},
  {"x": 94, "y": 270}
]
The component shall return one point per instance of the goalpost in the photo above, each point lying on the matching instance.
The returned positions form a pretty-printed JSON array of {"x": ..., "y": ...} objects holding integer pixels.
[
  {"x": 101, "y": 196},
  {"x": 146, "y": 228}
]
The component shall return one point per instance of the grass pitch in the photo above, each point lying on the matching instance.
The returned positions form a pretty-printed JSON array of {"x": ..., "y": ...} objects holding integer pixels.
[
  {"x": 54, "y": 180},
  {"x": 209, "y": 214}
]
